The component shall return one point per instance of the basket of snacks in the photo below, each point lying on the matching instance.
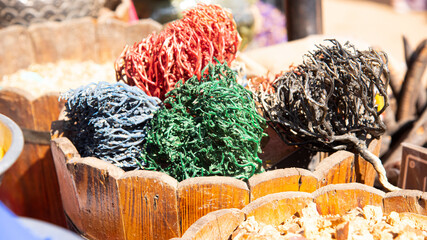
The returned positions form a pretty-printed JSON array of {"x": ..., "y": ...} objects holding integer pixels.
[{"x": 337, "y": 211}]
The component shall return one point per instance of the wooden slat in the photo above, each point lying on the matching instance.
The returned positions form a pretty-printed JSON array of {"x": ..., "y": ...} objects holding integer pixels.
[
  {"x": 112, "y": 36},
  {"x": 98, "y": 197},
  {"x": 282, "y": 180},
  {"x": 31, "y": 187},
  {"x": 19, "y": 189},
  {"x": 277, "y": 207},
  {"x": 16, "y": 104},
  {"x": 135, "y": 32},
  {"x": 16, "y": 49},
  {"x": 201, "y": 195},
  {"x": 46, "y": 109},
  {"x": 149, "y": 205},
  {"x": 340, "y": 198},
  {"x": 336, "y": 168},
  {"x": 43, "y": 36},
  {"x": 365, "y": 172},
  {"x": 68, "y": 40},
  {"x": 413, "y": 201},
  {"x": 333, "y": 199},
  {"x": 110, "y": 39},
  {"x": 219, "y": 224},
  {"x": 63, "y": 151}
]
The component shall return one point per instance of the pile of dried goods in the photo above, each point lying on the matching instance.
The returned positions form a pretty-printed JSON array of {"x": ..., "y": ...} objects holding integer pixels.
[
  {"x": 110, "y": 121},
  {"x": 211, "y": 127},
  {"x": 180, "y": 51},
  {"x": 366, "y": 223},
  {"x": 328, "y": 102},
  {"x": 39, "y": 79}
]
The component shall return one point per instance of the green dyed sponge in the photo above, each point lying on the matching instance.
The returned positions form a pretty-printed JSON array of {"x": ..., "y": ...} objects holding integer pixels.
[{"x": 210, "y": 128}]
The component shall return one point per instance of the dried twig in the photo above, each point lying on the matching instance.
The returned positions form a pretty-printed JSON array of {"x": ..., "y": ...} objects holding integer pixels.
[{"x": 328, "y": 102}]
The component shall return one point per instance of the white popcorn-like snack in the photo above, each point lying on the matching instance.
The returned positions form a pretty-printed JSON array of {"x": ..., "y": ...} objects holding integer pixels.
[
  {"x": 368, "y": 223},
  {"x": 39, "y": 79}
]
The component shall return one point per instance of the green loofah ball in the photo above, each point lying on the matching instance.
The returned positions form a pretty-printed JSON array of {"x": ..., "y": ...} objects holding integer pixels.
[{"x": 211, "y": 127}]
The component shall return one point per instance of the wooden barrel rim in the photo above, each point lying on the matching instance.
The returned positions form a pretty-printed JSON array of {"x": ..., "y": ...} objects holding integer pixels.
[
  {"x": 201, "y": 226},
  {"x": 58, "y": 137}
]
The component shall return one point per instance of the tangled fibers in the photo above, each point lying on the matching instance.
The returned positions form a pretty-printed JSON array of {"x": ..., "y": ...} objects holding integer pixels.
[
  {"x": 110, "y": 121},
  {"x": 328, "y": 102},
  {"x": 211, "y": 127},
  {"x": 329, "y": 96},
  {"x": 182, "y": 49}
]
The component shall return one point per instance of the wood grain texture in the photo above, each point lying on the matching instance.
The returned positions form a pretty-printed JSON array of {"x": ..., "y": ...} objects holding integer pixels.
[
  {"x": 63, "y": 151},
  {"x": 16, "y": 50},
  {"x": 282, "y": 180},
  {"x": 201, "y": 195},
  {"x": 30, "y": 186},
  {"x": 336, "y": 168},
  {"x": 215, "y": 225},
  {"x": 97, "y": 194},
  {"x": 275, "y": 208},
  {"x": 46, "y": 109},
  {"x": 103, "y": 202},
  {"x": 149, "y": 205},
  {"x": 365, "y": 172},
  {"x": 68, "y": 40},
  {"x": 15, "y": 186},
  {"x": 42, "y": 37},
  {"x": 413, "y": 201},
  {"x": 340, "y": 198},
  {"x": 153, "y": 205},
  {"x": 110, "y": 41},
  {"x": 332, "y": 199}
]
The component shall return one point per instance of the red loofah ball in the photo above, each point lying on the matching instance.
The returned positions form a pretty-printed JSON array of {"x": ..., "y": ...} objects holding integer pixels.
[{"x": 179, "y": 51}]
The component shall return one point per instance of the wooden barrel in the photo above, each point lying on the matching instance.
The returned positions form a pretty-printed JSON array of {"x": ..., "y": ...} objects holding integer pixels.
[
  {"x": 30, "y": 188},
  {"x": 333, "y": 199},
  {"x": 102, "y": 201}
]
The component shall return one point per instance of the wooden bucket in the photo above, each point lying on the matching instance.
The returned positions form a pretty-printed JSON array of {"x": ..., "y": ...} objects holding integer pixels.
[
  {"x": 102, "y": 201},
  {"x": 30, "y": 188},
  {"x": 333, "y": 199}
]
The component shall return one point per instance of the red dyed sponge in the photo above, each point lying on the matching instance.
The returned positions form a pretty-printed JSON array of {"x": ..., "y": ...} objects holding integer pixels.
[{"x": 182, "y": 49}]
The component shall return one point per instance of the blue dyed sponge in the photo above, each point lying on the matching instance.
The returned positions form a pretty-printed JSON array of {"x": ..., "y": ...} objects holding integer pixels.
[{"x": 110, "y": 121}]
